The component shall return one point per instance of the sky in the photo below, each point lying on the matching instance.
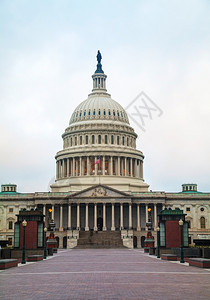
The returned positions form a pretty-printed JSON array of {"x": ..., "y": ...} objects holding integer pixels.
[{"x": 48, "y": 55}]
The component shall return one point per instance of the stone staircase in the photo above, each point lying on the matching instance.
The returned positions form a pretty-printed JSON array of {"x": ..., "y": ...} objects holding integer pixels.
[{"x": 99, "y": 239}]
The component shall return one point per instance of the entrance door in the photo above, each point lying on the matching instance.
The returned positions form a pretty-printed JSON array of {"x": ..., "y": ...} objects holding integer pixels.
[
  {"x": 100, "y": 223},
  {"x": 134, "y": 242},
  {"x": 142, "y": 241},
  {"x": 65, "y": 242}
]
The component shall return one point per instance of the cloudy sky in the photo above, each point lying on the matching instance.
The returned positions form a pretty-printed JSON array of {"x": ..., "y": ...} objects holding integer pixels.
[{"x": 48, "y": 54}]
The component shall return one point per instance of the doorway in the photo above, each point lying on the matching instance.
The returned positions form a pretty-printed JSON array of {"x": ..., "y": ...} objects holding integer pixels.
[{"x": 100, "y": 223}]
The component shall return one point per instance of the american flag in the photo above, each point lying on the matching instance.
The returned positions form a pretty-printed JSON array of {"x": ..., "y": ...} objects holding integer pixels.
[{"x": 98, "y": 160}]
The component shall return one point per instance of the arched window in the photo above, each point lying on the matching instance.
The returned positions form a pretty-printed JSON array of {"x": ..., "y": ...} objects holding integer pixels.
[
  {"x": 203, "y": 222},
  {"x": 80, "y": 140},
  {"x": 118, "y": 140},
  {"x": 75, "y": 141},
  {"x": 123, "y": 140},
  {"x": 112, "y": 139},
  {"x": 127, "y": 141},
  {"x": 89, "y": 113},
  {"x": 94, "y": 112},
  {"x": 109, "y": 113},
  {"x": 93, "y": 139},
  {"x": 113, "y": 113},
  {"x": 104, "y": 113},
  {"x": 86, "y": 139},
  {"x": 105, "y": 139},
  {"x": 99, "y": 139},
  {"x": 84, "y": 113},
  {"x": 99, "y": 112}
]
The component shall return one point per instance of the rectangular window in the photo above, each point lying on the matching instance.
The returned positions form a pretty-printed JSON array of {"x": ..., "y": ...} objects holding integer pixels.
[
  {"x": 118, "y": 140},
  {"x": 75, "y": 141},
  {"x": 80, "y": 140},
  {"x": 40, "y": 235},
  {"x": 185, "y": 234},
  {"x": 188, "y": 209},
  {"x": 105, "y": 139},
  {"x": 99, "y": 139},
  {"x": 93, "y": 139},
  {"x": 17, "y": 235},
  {"x": 162, "y": 235},
  {"x": 10, "y": 210},
  {"x": 86, "y": 139},
  {"x": 112, "y": 139},
  {"x": 10, "y": 225}
]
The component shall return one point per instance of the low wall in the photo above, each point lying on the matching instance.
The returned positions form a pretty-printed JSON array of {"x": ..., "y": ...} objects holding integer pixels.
[{"x": 17, "y": 253}]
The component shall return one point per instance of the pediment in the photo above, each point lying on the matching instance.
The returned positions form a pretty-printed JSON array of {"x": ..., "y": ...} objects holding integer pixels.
[{"x": 100, "y": 191}]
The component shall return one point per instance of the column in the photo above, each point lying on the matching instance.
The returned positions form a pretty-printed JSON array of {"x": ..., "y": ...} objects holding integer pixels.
[
  {"x": 113, "y": 223},
  {"x": 104, "y": 216},
  {"x": 61, "y": 218},
  {"x": 125, "y": 166},
  {"x": 86, "y": 218},
  {"x": 69, "y": 216},
  {"x": 155, "y": 216},
  {"x": 53, "y": 212},
  {"x": 118, "y": 166},
  {"x": 57, "y": 169},
  {"x": 138, "y": 218},
  {"x": 77, "y": 166},
  {"x": 44, "y": 211},
  {"x": 95, "y": 217},
  {"x": 141, "y": 169},
  {"x": 111, "y": 165},
  {"x": 131, "y": 164},
  {"x": 67, "y": 167},
  {"x": 130, "y": 216},
  {"x": 146, "y": 208},
  {"x": 80, "y": 166},
  {"x": 78, "y": 216},
  {"x": 121, "y": 216},
  {"x": 96, "y": 167},
  {"x": 135, "y": 167},
  {"x": 73, "y": 166},
  {"x": 88, "y": 165},
  {"x": 103, "y": 166},
  {"x": 121, "y": 163},
  {"x": 62, "y": 168}
]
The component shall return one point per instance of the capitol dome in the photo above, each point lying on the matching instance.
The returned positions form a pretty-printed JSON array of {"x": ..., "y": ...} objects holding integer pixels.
[
  {"x": 99, "y": 145},
  {"x": 99, "y": 107}
]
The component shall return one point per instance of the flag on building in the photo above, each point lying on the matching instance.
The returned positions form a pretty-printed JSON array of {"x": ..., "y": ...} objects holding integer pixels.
[{"x": 98, "y": 160}]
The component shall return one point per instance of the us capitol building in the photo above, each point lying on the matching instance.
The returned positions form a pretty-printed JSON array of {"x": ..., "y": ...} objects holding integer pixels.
[{"x": 99, "y": 186}]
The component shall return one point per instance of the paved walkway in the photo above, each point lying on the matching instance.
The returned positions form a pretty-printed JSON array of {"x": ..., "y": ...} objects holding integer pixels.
[{"x": 104, "y": 274}]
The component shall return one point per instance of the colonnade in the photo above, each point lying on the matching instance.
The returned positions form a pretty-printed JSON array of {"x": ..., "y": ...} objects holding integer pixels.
[
  {"x": 99, "y": 165},
  {"x": 116, "y": 221}
]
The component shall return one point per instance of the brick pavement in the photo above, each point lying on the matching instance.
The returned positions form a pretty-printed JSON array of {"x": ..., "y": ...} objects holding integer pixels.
[{"x": 104, "y": 274}]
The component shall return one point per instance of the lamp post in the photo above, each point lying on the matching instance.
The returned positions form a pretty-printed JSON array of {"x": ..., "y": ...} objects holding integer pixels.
[
  {"x": 181, "y": 246},
  {"x": 158, "y": 242},
  {"x": 45, "y": 246},
  {"x": 24, "y": 223}
]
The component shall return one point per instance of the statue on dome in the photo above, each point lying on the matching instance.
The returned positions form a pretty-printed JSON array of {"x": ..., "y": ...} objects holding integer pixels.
[
  {"x": 99, "y": 65},
  {"x": 99, "y": 57}
]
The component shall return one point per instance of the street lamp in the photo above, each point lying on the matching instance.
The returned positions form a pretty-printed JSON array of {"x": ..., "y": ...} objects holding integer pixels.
[
  {"x": 24, "y": 223},
  {"x": 45, "y": 246},
  {"x": 181, "y": 246},
  {"x": 158, "y": 242}
]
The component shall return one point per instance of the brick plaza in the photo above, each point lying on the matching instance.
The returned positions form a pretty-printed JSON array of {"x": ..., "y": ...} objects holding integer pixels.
[{"x": 104, "y": 274}]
